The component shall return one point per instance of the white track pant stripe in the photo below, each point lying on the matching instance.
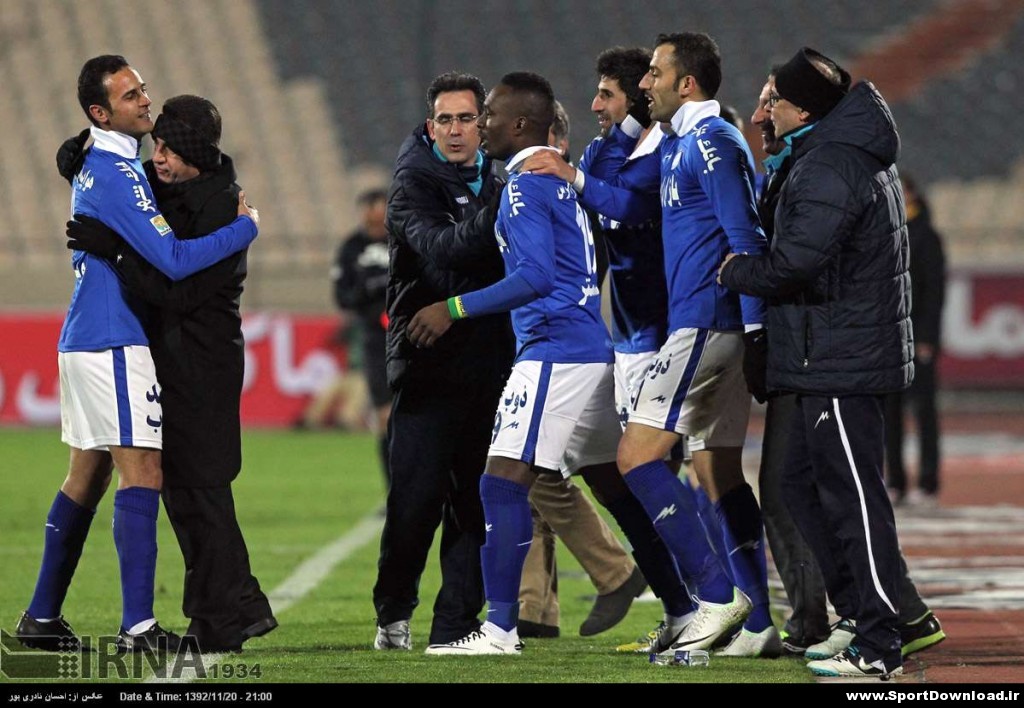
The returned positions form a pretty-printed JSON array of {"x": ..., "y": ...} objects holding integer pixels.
[{"x": 863, "y": 506}]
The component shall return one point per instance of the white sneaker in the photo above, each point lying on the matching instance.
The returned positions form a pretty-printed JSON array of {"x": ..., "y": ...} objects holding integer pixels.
[
  {"x": 851, "y": 664},
  {"x": 489, "y": 639},
  {"x": 394, "y": 636},
  {"x": 842, "y": 635},
  {"x": 658, "y": 639},
  {"x": 766, "y": 644},
  {"x": 712, "y": 621}
]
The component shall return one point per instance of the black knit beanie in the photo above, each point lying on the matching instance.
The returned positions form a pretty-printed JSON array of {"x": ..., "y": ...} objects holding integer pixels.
[
  {"x": 799, "y": 82},
  {"x": 190, "y": 126}
]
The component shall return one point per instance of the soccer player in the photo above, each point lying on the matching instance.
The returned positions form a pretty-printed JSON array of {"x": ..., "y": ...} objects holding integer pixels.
[
  {"x": 195, "y": 333},
  {"x": 110, "y": 397},
  {"x": 569, "y": 514},
  {"x": 704, "y": 176},
  {"x": 639, "y": 298},
  {"x": 556, "y": 411}
]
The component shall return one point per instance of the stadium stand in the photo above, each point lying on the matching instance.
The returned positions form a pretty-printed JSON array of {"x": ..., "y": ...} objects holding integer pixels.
[{"x": 318, "y": 95}]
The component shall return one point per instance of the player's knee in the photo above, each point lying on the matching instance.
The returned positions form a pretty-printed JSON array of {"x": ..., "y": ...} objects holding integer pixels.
[{"x": 144, "y": 471}]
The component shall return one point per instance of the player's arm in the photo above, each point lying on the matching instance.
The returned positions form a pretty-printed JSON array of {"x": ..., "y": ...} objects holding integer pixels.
[
  {"x": 722, "y": 167},
  {"x": 131, "y": 211},
  {"x": 813, "y": 234},
  {"x": 182, "y": 296},
  {"x": 604, "y": 157},
  {"x": 632, "y": 200},
  {"x": 415, "y": 210},
  {"x": 528, "y": 223}
]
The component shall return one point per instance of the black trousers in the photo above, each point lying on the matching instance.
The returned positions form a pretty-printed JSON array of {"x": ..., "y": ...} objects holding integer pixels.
[
  {"x": 439, "y": 438},
  {"x": 222, "y": 597},
  {"x": 793, "y": 558},
  {"x": 921, "y": 396},
  {"x": 837, "y": 495}
]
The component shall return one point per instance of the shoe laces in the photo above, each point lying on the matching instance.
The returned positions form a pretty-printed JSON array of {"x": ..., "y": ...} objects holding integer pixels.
[
  {"x": 473, "y": 636},
  {"x": 845, "y": 624},
  {"x": 655, "y": 634}
]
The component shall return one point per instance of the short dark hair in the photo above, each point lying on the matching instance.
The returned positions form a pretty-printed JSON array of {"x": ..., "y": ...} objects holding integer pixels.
[
  {"x": 697, "y": 55},
  {"x": 370, "y": 196},
  {"x": 198, "y": 113},
  {"x": 560, "y": 124},
  {"x": 627, "y": 66},
  {"x": 455, "y": 81},
  {"x": 539, "y": 106},
  {"x": 91, "y": 90},
  {"x": 732, "y": 117}
]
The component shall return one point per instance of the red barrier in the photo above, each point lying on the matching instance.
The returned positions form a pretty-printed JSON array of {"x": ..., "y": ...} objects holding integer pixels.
[
  {"x": 983, "y": 330},
  {"x": 287, "y": 359}
]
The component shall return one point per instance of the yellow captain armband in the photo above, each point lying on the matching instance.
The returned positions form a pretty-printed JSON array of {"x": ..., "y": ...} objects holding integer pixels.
[{"x": 455, "y": 308}]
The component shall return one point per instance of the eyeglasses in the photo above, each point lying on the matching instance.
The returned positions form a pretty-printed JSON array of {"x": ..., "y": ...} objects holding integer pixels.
[
  {"x": 773, "y": 98},
  {"x": 445, "y": 121}
]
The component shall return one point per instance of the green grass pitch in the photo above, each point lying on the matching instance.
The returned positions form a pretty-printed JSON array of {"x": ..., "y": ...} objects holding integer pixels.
[{"x": 299, "y": 492}]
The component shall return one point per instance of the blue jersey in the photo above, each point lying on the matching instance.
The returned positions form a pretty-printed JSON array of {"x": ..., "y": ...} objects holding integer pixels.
[
  {"x": 636, "y": 262},
  {"x": 704, "y": 173},
  {"x": 551, "y": 265},
  {"x": 112, "y": 187}
]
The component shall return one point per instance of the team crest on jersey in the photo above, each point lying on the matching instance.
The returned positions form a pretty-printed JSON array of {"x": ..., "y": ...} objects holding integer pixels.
[
  {"x": 160, "y": 224},
  {"x": 84, "y": 180},
  {"x": 462, "y": 200}
]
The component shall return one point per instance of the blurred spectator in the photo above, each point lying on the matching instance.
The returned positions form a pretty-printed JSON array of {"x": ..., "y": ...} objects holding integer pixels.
[
  {"x": 345, "y": 402},
  {"x": 360, "y": 276},
  {"x": 928, "y": 292},
  {"x": 360, "y": 281}
]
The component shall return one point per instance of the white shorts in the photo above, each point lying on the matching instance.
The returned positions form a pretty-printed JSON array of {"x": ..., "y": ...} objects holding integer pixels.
[
  {"x": 110, "y": 397},
  {"x": 696, "y": 388},
  {"x": 630, "y": 370},
  {"x": 557, "y": 416}
]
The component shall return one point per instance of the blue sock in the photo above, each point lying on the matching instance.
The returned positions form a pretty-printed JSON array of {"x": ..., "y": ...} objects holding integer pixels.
[
  {"x": 67, "y": 526},
  {"x": 651, "y": 555},
  {"x": 509, "y": 533},
  {"x": 135, "y": 512},
  {"x": 739, "y": 517},
  {"x": 669, "y": 504},
  {"x": 708, "y": 513}
]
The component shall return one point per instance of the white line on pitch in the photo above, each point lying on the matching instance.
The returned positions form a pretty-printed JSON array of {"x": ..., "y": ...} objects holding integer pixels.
[{"x": 302, "y": 580}]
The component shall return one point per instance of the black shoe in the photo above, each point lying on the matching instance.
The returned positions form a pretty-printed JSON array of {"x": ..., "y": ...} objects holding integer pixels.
[
  {"x": 155, "y": 640},
  {"x": 609, "y": 609},
  {"x": 537, "y": 630},
  {"x": 51, "y": 635},
  {"x": 210, "y": 646},
  {"x": 921, "y": 634},
  {"x": 796, "y": 645},
  {"x": 259, "y": 628}
]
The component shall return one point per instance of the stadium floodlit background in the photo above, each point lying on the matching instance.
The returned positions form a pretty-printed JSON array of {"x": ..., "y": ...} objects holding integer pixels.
[{"x": 317, "y": 95}]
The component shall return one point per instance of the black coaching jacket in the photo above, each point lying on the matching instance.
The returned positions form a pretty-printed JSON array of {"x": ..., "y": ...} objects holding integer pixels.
[
  {"x": 836, "y": 276},
  {"x": 195, "y": 334},
  {"x": 441, "y": 243}
]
